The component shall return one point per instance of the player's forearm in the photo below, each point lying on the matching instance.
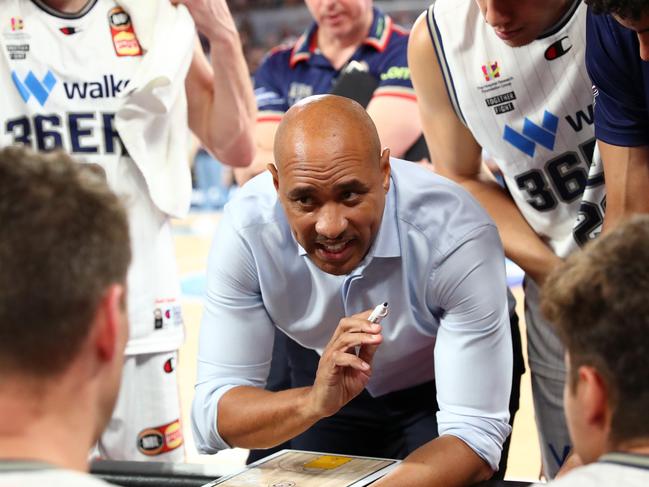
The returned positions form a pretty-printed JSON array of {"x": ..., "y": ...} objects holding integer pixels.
[
  {"x": 263, "y": 157},
  {"x": 250, "y": 417},
  {"x": 444, "y": 462},
  {"x": 522, "y": 245},
  {"x": 626, "y": 171},
  {"x": 232, "y": 109}
]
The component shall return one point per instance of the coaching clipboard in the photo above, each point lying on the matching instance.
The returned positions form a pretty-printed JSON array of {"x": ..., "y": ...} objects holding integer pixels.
[{"x": 294, "y": 468}]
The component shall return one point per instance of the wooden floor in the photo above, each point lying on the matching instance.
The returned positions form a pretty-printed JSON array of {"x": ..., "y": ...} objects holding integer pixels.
[{"x": 193, "y": 237}]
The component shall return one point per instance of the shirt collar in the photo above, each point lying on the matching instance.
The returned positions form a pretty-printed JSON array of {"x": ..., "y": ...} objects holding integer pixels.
[
  {"x": 378, "y": 37},
  {"x": 627, "y": 459},
  {"x": 386, "y": 243}
]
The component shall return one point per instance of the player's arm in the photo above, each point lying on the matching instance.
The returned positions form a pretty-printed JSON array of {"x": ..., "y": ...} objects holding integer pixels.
[
  {"x": 457, "y": 155},
  {"x": 473, "y": 368},
  {"x": 393, "y": 106},
  {"x": 265, "y": 129},
  {"x": 626, "y": 170},
  {"x": 220, "y": 99}
]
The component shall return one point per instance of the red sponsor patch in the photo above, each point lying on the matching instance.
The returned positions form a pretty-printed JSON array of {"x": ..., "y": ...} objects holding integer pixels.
[
  {"x": 160, "y": 439},
  {"x": 123, "y": 34}
]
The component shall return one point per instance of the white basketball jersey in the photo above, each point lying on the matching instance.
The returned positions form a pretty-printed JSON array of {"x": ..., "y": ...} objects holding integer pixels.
[
  {"x": 62, "y": 78},
  {"x": 531, "y": 109}
]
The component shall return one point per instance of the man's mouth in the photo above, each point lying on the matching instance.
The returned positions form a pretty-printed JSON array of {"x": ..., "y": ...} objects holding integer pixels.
[
  {"x": 507, "y": 35},
  {"x": 334, "y": 251}
]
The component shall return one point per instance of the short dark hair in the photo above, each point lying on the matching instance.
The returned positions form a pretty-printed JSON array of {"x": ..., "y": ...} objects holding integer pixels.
[
  {"x": 626, "y": 9},
  {"x": 599, "y": 302},
  {"x": 64, "y": 240}
]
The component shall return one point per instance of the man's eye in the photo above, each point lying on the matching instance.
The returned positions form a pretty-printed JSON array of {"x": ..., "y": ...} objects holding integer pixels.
[{"x": 349, "y": 195}]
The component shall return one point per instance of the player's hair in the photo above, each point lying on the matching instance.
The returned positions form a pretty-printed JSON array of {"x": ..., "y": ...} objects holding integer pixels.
[
  {"x": 599, "y": 302},
  {"x": 626, "y": 9},
  {"x": 64, "y": 240}
]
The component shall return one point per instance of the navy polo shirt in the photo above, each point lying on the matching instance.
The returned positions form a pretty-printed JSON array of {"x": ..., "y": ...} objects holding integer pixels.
[
  {"x": 620, "y": 82},
  {"x": 290, "y": 73}
]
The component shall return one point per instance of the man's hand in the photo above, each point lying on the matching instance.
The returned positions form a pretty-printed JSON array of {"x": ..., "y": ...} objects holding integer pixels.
[
  {"x": 342, "y": 375},
  {"x": 212, "y": 17}
]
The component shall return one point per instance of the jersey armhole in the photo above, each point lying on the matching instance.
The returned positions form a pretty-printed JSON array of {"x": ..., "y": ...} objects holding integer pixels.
[{"x": 438, "y": 44}]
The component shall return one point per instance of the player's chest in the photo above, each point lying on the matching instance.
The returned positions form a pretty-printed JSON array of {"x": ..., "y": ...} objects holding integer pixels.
[{"x": 58, "y": 63}]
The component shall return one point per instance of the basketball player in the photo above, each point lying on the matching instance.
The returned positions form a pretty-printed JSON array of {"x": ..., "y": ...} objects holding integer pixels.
[
  {"x": 509, "y": 77},
  {"x": 64, "y": 256},
  {"x": 101, "y": 80}
]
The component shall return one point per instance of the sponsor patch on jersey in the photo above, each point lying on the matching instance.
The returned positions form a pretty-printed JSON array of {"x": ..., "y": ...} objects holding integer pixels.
[
  {"x": 491, "y": 70},
  {"x": 17, "y": 24},
  {"x": 160, "y": 439},
  {"x": 167, "y": 314},
  {"x": 493, "y": 79},
  {"x": 558, "y": 49},
  {"x": 121, "y": 29}
]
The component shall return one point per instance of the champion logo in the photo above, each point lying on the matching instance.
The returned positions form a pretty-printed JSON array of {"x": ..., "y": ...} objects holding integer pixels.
[
  {"x": 31, "y": 85},
  {"x": 545, "y": 135},
  {"x": 558, "y": 49}
]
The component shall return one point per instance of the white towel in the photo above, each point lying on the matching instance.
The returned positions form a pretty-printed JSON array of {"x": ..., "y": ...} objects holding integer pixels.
[{"x": 152, "y": 122}]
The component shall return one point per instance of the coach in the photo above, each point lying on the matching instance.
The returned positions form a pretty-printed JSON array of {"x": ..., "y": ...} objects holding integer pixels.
[{"x": 343, "y": 229}]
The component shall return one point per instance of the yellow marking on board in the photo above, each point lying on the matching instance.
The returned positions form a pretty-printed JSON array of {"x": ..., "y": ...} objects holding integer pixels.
[{"x": 327, "y": 462}]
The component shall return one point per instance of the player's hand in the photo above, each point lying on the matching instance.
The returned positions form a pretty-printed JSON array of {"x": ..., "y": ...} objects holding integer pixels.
[
  {"x": 341, "y": 374},
  {"x": 212, "y": 17}
]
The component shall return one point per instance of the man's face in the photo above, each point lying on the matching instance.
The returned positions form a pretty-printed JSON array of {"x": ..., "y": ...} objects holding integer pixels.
[
  {"x": 333, "y": 192},
  {"x": 340, "y": 18},
  {"x": 519, "y": 22},
  {"x": 641, "y": 28},
  {"x": 580, "y": 402}
]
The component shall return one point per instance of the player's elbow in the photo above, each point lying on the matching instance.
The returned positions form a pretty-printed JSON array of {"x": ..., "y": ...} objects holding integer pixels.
[{"x": 233, "y": 149}]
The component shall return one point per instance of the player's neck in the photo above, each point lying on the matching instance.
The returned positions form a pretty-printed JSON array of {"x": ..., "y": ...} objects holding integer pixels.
[
  {"x": 67, "y": 6},
  {"x": 45, "y": 424},
  {"x": 339, "y": 48}
]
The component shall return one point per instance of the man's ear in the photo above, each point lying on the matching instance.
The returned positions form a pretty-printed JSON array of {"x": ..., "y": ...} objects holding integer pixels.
[
  {"x": 273, "y": 170},
  {"x": 385, "y": 168},
  {"x": 593, "y": 395},
  {"x": 108, "y": 322}
]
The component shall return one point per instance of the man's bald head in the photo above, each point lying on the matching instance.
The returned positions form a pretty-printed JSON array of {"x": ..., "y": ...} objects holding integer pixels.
[
  {"x": 331, "y": 179},
  {"x": 323, "y": 118}
]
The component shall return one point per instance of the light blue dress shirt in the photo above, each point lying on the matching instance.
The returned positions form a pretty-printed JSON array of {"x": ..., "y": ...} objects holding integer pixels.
[{"x": 437, "y": 259}]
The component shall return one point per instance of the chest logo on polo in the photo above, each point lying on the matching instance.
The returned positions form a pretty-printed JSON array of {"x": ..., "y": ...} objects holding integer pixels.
[{"x": 297, "y": 91}]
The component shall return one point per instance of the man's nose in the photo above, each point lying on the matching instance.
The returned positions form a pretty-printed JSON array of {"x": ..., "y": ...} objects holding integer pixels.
[
  {"x": 497, "y": 13},
  {"x": 331, "y": 221}
]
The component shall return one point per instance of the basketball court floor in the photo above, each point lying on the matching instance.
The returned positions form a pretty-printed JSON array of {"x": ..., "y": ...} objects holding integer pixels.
[{"x": 193, "y": 237}]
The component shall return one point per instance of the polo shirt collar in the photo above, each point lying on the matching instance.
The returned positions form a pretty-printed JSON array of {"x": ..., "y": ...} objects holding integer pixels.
[
  {"x": 378, "y": 37},
  {"x": 386, "y": 243}
]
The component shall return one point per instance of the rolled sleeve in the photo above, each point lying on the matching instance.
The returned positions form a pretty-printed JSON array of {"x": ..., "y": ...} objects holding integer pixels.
[
  {"x": 473, "y": 352},
  {"x": 236, "y": 335}
]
